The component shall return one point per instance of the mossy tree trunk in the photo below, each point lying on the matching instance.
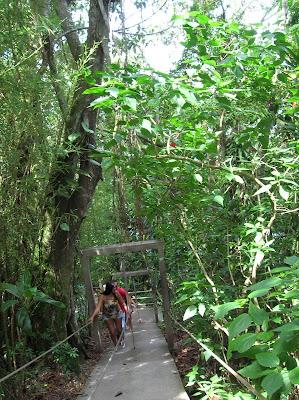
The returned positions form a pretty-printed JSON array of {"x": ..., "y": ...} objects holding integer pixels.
[{"x": 75, "y": 173}]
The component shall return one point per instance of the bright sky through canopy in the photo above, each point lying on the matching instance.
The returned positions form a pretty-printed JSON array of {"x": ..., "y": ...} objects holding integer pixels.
[{"x": 163, "y": 57}]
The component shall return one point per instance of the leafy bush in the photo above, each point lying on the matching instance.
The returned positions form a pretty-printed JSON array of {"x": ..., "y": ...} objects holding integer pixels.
[{"x": 67, "y": 357}]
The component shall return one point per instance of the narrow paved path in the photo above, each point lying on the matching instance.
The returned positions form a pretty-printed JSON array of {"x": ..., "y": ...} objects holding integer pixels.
[{"x": 146, "y": 372}]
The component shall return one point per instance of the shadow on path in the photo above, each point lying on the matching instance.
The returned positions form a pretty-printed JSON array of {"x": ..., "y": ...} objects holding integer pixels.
[{"x": 145, "y": 372}]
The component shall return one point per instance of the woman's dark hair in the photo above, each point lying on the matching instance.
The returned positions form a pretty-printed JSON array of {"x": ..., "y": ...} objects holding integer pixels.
[{"x": 109, "y": 288}]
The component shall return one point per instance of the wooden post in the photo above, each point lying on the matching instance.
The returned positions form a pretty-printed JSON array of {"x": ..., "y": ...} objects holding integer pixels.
[
  {"x": 91, "y": 303},
  {"x": 154, "y": 289},
  {"x": 165, "y": 297}
]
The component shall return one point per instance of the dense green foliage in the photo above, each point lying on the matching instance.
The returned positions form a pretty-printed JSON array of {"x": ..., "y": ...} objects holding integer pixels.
[
  {"x": 215, "y": 160},
  {"x": 205, "y": 158}
]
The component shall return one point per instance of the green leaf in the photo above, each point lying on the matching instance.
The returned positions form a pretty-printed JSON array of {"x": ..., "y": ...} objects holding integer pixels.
[
  {"x": 294, "y": 293},
  {"x": 190, "y": 312},
  {"x": 238, "y": 179},
  {"x": 253, "y": 371},
  {"x": 154, "y": 103},
  {"x": 11, "y": 289},
  {"x": 201, "y": 309},
  {"x": 146, "y": 124},
  {"x": 74, "y": 136},
  {"x": 282, "y": 346},
  {"x": 218, "y": 199},
  {"x": 94, "y": 162},
  {"x": 210, "y": 62},
  {"x": 291, "y": 326},
  {"x": 223, "y": 309},
  {"x": 258, "y": 315},
  {"x": 5, "y": 306},
  {"x": 198, "y": 177},
  {"x": 243, "y": 342},
  {"x": 113, "y": 91},
  {"x": 23, "y": 319},
  {"x": 131, "y": 102},
  {"x": 284, "y": 194},
  {"x": 24, "y": 282},
  {"x": 272, "y": 382},
  {"x": 182, "y": 298},
  {"x": 265, "y": 336},
  {"x": 202, "y": 19},
  {"x": 30, "y": 292},
  {"x": 151, "y": 150},
  {"x": 227, "y": 60},
  {"x": 188, "y": 95},
  {"x": 64, "y": 227},
  {"x": 291, "y": 260},
  {"x": 263, "y": 189},
  {"x": 269, "y": 360},
  {"x": 258, "y": 293},
  {"x": 27, "y": 324},
  {"x": 265, "y": 284},
  {"x": 239, "y": 324},
  {"x": 42, "y": 297},
  {"x": 282, "y": 77},
  {"x": 101, "y": 101},
  {"x": 85, "y": 127},
  {"x": 94, "y": 90},
  {"x": 294, "y": 376}
]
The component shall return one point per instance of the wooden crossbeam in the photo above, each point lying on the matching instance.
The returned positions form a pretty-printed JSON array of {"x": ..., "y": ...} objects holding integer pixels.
[
  {"x": 131, "y": 273},
  {"x": 121, "y": 248}
]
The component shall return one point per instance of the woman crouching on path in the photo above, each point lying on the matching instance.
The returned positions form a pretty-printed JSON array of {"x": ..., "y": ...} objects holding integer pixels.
[{"x": 108, "y": 304}]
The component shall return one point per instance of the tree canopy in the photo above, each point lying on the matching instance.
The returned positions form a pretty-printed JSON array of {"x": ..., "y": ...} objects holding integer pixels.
[{"x": 98, "y": 147}]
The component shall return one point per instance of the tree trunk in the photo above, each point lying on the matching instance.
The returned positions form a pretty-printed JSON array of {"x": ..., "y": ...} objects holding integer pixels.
[{"x": 75, "y": 175}]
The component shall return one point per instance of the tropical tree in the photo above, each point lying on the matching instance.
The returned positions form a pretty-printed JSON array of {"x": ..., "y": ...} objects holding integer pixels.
[{"x": 226, "y": 130}]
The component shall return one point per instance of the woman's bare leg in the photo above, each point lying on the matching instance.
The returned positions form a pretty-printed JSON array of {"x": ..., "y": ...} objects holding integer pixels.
[
  {"x": 110, "y": 326},
  {"x": 118, "y": 325}
]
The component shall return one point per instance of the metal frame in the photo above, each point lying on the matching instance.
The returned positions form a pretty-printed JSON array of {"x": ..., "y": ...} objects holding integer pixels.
[{"x": 126, "y": 248}]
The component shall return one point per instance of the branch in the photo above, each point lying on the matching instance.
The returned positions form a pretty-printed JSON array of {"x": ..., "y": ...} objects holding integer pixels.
[
  {"x": 232, "y": 169},
  {"x": 67, "y": 24},
  {"x": 70, "y": 31},
  {"x": 146, "y": 19}
]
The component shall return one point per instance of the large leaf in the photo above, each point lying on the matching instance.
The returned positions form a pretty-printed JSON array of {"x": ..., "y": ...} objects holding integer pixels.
[
  {"x": 263, "y": 189},
  {"x": 223, "y": 309},
  {"x": 258, "y": 293},
  {"x": 42, "y": 297},
  {"x": 131, "y": 102},
  {"x": 243, "y": 342},
  {"x": 12, "y": 289},
  {"x": 5, "y": 306},
  {"x": 258, "y": 316},
  {"x": 265, "y": 284},
  {"x": 281, "y": 345},
  {"x": 190, "y": 312},
  {"x": 291, "y": 326},
  {"x": 23, "y": 320},
  {"x": 294, "y": 376},
  {"x": 201, "y": 309},
  {"x": 101, "y": 102},
  {"x": 272, "y": 382},
  {"x": 269, "y": 360},
  {"x": 239, "y": 324},
  {"x": 284, "y": 194},
  {"x": 24, "y": 282},
  {"x": 30, "y": 292},
  {"x": 253, "y": 371},
  {"x": 291, "y": 260},
  {"x": 218, "y": 199}
]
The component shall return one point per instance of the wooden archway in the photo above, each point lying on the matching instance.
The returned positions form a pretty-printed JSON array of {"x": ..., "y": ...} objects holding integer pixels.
[{"x": 126, "y": 248}]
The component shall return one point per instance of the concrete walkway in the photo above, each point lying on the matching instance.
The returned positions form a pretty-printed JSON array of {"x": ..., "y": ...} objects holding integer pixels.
[{"x": 145, "y": 372}]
